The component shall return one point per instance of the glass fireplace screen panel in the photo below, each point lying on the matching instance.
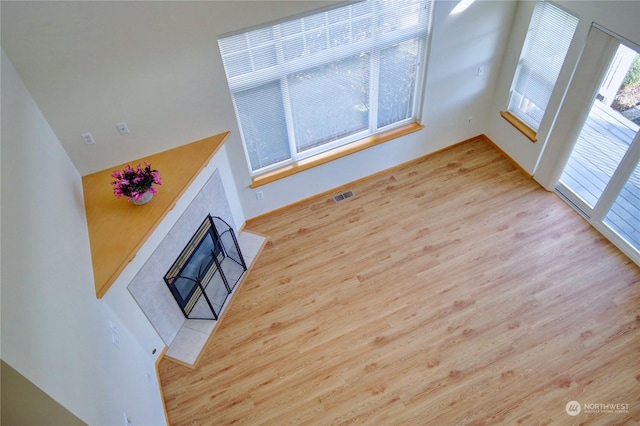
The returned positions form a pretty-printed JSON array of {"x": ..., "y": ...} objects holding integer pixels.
[
  {"x": 194, "y": 265},
  {"x": 197, "y": 268},
  {"x": 202, "y": 259},
  {"x": 230, "y": 247},
  {"x": 184, "y": 287},
  {"x": 217, "y": 294},
  {"x": 207, "y": 270}
]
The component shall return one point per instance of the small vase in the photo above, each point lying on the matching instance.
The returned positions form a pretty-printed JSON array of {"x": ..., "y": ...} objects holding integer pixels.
[{"x": 144, "y": 199}]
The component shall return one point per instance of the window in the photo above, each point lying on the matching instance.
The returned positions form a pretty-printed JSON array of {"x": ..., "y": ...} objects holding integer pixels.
[
  {"x": 310, "y": 84},
  {"x": 543, "y": 54}
]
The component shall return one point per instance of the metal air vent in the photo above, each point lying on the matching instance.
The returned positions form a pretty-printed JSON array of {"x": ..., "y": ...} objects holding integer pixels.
[{"x": 343, "y": 196}]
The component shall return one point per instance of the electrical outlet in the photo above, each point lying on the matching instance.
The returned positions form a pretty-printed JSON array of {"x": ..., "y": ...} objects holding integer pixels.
[
  {"x": 469, "y": 119},
  {"x": 259, "y": 195},
  {"x": 122, "y": 128},
  {"x": 88, "y": 138},
  {"x": 480, "y": 70}
]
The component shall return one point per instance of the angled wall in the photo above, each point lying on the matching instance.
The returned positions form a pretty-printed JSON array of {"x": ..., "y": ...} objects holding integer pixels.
[{"x": 54, "y": 331}]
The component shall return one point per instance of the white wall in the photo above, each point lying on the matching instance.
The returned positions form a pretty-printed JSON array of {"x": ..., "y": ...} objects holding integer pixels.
[
  {"x": 459, "y": 45},
  {"x": 54, "y": 330},
  {"x": 621, "y": 17},
  {"x": 156, "y": 66}
]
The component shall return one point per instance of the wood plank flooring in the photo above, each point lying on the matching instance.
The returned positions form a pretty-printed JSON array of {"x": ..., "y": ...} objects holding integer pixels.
[{"x": 451, "y": 290}]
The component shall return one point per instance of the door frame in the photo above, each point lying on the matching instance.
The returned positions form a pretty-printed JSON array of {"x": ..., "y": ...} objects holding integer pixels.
[{"x": 594, "y": 62}]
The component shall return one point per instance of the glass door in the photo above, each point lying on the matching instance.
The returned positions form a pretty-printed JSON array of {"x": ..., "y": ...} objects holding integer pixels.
[{"x": 602, "y": 176}]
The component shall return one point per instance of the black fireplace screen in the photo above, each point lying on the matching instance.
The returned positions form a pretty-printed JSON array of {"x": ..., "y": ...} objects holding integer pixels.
[{"x": 207, "y": 270}]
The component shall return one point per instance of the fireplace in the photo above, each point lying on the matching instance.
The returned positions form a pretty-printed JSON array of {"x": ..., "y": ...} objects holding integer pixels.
[{"x": 207, "y": 270}]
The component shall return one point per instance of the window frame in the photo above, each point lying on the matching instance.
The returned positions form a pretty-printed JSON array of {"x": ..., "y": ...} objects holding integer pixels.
[
  {"x": 524, "y": 124},
  {"x": 373, "y": 134}
]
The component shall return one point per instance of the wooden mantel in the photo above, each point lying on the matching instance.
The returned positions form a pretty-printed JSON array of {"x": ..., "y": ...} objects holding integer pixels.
[{"x": 118, "y": 228}]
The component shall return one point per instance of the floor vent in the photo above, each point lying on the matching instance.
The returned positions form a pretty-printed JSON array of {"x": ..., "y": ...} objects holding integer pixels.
[{"x": 344, "y": 196}]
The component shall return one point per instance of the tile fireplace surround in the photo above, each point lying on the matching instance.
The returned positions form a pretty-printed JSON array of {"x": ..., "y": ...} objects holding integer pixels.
[{"x": 185, "y": 338}]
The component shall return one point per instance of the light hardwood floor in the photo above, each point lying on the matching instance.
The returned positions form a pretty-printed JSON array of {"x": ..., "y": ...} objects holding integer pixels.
[{"x": 451, "y": 290}]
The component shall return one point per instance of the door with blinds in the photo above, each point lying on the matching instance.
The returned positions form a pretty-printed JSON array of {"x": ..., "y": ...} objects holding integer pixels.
[{"x": 601, "y": 178}]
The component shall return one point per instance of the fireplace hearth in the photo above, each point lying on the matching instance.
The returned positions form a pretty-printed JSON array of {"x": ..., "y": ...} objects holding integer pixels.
[{"x": 207, "y": 270}]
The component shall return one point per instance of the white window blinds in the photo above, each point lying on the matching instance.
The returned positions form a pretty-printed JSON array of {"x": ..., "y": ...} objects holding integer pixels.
[
  {"x": 543, "y": 54},
  {"x": 312, "y": 83}
]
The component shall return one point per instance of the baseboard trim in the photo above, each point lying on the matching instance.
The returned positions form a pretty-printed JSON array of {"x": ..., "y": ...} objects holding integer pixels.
[{"x": 157, "y": 366}]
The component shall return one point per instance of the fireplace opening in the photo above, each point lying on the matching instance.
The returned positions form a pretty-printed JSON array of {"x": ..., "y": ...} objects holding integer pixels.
[{"x": 207, "y": 270}]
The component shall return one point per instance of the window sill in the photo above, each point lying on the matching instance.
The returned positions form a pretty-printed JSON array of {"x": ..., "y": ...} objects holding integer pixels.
[
  {"x": 334, "y": 154},
  {"x": 518, "y": 124}
]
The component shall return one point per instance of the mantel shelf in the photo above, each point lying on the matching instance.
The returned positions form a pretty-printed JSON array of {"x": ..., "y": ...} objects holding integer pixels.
[{"x": 117, "y": 228}]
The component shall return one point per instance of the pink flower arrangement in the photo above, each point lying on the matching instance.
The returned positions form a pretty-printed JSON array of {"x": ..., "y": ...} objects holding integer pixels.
[{"x": 132, "y": 183}]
